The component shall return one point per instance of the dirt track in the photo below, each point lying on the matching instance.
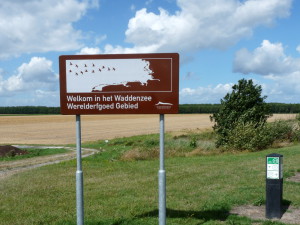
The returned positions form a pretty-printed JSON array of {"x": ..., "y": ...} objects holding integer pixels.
[
  {"x": 8, "y": 168},
  {"x": 59, "y": 129}
]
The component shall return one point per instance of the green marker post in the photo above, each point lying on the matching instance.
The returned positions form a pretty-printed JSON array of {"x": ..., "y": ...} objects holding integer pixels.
[{"x": 274, "y": 185}]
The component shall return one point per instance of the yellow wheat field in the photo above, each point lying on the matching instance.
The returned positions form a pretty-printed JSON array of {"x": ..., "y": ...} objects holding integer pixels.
[{"x": 61, "y": 129}]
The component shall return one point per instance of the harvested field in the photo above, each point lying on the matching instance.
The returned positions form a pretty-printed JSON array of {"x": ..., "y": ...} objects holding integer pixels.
[{"x": 60, "y": 129}]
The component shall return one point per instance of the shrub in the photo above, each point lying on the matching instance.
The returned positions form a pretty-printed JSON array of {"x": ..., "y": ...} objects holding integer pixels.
[
  {"x": 248, "y": 136},
  {"x": 281, "y": 130},
  {"x": 253, "y": 137},
  {"x": 298, "y": 118},
  {"x": 243, "y": 106}
]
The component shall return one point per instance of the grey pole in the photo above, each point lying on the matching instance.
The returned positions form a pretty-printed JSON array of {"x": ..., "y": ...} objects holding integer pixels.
[
  {"x": 79, "y": 175},
  {"x": 162, "y": 173}
]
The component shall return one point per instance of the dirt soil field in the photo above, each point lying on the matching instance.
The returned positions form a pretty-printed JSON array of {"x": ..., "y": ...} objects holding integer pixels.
[
  {"x": 8, "y": 150},
  {"x": 61, "y": 129}
]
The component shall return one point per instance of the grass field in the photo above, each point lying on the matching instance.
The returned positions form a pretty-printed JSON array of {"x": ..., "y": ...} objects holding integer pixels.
[
  {"x": 200, "y": 190},
  {"x": 60, "y": 129}
]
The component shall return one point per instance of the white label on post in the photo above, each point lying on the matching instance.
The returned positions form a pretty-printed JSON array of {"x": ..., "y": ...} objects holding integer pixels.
[
  {"x": 272, "y": 175},
  {"x": 273, "y": 167}
]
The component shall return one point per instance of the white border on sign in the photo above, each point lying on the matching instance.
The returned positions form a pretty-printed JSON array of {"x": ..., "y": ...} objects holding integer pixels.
[{"x": 100, "y": 92}]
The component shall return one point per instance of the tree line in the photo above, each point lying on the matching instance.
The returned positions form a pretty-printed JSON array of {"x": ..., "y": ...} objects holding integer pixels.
[
  {"x": 29, "y": 110},
  {"x": 214, "y": 108},
  {"x": 183, "y": 108}
]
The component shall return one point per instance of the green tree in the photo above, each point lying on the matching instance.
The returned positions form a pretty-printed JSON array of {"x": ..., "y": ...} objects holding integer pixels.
[{"x": 243, "y": 105}]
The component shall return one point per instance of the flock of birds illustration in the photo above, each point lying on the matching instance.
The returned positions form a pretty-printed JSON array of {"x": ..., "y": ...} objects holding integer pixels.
[{"x": 100, "y": 69}]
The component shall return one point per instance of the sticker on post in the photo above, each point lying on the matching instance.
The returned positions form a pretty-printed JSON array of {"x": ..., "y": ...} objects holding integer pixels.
[
  {"x": 273, "y": 168},
  {"x": 272, "y": 175}
]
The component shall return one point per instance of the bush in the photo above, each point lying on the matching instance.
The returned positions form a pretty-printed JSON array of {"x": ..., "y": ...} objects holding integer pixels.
[
  {"x": 281, "y": 130},
  {"x": 243, "y": 106},
  {"x": 298, "y": 118},
  {"x": 250, "y": 136}
]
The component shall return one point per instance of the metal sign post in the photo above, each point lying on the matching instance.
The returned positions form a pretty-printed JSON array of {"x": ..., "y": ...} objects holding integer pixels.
[
  {"x": 162, "y": 173},
  {"x": 79, "y": 175},
  {"x": 119, "y": 84}
]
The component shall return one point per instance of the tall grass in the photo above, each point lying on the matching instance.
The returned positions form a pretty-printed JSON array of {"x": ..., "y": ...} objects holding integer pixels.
[{"x": 145, "y": 147}]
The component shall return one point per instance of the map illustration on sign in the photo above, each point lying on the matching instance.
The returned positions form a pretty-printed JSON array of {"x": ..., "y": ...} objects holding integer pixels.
[
  {"x": 119, "y": 83},
  {"x": 85, "y": 76}
]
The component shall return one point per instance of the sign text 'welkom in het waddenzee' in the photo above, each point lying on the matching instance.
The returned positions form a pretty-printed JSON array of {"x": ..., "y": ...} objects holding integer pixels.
[{"x": 119, "y": 84}]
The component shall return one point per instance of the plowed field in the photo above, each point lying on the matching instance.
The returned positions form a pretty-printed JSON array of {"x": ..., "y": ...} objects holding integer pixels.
[{"x": 61, "y": 129}]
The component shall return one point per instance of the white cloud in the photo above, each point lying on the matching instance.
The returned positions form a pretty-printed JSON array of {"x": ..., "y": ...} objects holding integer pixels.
[
  {"x": 30, "y": 77},
  {"x": 89, "y": 51},
  {"x": 34, "y": 98},
  {"x": 40, "y": 26},
  {"x": 298, "y": 48},
  {"x": 284, "y": 89},
  {"x": 204, "y": 94},
  {"x": 200, "y": 24},
  {"x": 268, "y": 59}
]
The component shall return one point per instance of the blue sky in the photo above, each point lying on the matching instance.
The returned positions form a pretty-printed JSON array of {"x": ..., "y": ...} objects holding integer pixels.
[{"x": 219, "y": 42}]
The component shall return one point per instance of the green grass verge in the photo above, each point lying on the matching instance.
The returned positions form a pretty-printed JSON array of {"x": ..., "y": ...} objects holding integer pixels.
[
  {"x": 35, "y": 152},
  {"x": 200, "y": 189}
]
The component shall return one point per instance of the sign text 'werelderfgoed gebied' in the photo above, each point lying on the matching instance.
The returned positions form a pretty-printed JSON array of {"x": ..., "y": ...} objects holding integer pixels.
[{"x": 119, "y": 84}]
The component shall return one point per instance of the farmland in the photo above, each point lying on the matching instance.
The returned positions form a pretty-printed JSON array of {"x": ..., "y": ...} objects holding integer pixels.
[{"x": 59, "y": 129}]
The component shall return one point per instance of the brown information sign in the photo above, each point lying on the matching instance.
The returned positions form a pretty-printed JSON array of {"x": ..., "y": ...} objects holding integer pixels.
[{"x": 119, "y": 84}]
